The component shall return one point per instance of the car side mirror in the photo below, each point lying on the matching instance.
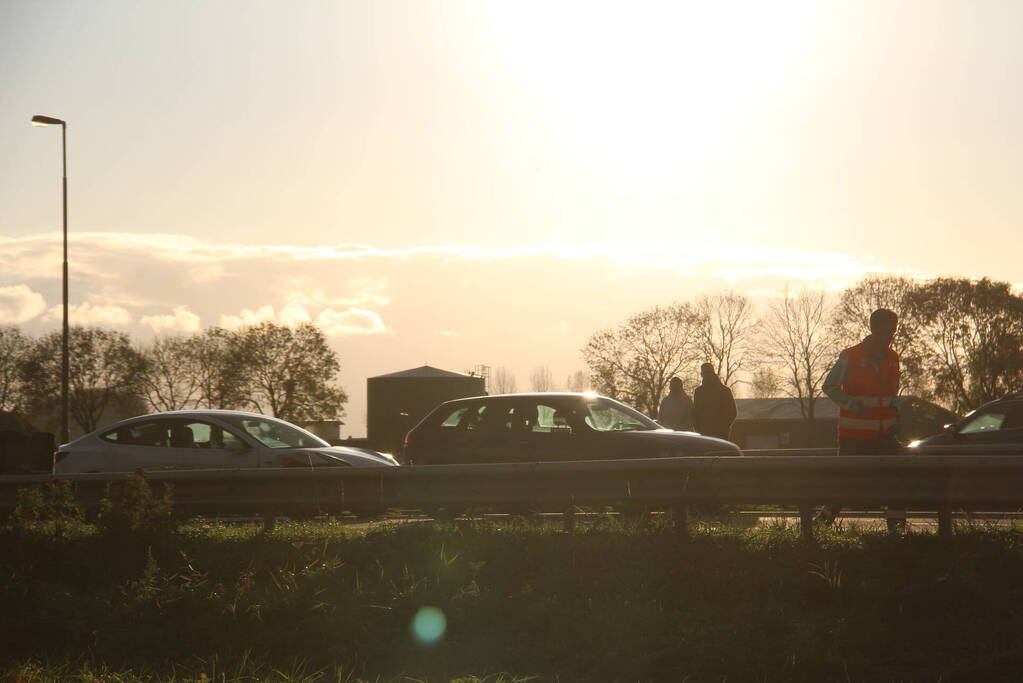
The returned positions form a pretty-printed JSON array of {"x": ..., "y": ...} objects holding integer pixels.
[
  {"x": 952, "y": 429},
  {"x": 236, "y": 447}
]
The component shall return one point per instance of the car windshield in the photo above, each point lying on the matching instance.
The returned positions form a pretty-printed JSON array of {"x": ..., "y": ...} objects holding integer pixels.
[
  {"x": 996, "y": 418},
  {"x": 274, "y": 433},
  {"x": 604, "y": 415}
]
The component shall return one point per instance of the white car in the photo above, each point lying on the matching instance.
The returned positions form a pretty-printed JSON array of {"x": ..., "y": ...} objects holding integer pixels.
[{"x": 201, "y": 439}]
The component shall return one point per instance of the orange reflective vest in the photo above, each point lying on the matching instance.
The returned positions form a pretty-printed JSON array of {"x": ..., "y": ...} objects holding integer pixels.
[{"x": 875, "y": 386}]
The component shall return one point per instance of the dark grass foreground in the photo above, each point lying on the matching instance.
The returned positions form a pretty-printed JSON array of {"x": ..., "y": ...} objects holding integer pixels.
[{"x": 314, "y": 602}]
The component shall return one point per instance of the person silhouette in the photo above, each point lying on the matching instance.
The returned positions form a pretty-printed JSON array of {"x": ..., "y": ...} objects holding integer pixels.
[
  {"x": 713, "y": 405},
  {"x": 676, "y": 411}
]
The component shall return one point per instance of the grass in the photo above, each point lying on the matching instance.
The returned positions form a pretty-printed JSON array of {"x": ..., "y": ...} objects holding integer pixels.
[{"x": 321, "y": 602}]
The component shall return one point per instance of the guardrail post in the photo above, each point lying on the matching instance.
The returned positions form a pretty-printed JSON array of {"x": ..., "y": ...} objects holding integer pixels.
[
  {"x": 568, "y": 519},
  {"x": 680, "y": 515},
  {"x": 806, "y": 523},
  {"x": 269, "y": 522},
  {"x": 944, "y": 521}
]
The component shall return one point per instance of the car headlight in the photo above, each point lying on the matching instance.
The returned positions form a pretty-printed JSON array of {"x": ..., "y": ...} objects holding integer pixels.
[{"x": 914, "y": 443}]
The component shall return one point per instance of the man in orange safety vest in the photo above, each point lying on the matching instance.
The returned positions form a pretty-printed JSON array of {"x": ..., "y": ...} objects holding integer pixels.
[{"x": 864, "y": 383}]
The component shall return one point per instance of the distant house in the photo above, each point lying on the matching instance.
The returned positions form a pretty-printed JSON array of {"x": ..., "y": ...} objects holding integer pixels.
[
  {"x": 396, "y": 402},
  {"x": 778, "y": 422}
]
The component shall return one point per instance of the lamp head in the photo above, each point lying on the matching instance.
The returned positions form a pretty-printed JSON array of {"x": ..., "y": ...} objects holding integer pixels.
[{"x": 40, "y": 120}]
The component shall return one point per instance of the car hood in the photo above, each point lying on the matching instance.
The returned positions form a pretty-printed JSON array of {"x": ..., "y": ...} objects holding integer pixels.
[
  {"x": 356, "y": 457},
  {"x": 940, "y": 439},
  {"x": 683, "y": 443}
]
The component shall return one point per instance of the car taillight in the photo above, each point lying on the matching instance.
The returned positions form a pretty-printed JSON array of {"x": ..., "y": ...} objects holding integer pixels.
[{"x": 408, "y": 439}]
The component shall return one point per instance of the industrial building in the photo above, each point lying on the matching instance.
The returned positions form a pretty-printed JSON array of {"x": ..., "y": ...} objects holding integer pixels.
[{"x": 396, "y": 402}]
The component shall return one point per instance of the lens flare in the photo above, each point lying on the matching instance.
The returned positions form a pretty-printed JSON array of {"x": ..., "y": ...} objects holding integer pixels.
[{"x": 429, "y": 625}]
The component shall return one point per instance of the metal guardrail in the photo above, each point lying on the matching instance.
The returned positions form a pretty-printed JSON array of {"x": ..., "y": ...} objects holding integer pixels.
[{"x": 934, "y": 482}]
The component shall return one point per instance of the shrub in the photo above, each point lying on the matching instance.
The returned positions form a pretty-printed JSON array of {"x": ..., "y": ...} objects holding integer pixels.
[
  {"x": 53, "y": 502},
  {"x": 132, "y": 507}
]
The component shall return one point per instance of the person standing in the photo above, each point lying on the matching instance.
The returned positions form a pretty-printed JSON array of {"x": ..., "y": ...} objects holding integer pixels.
[
  {"x": 713, "y": 405},
  {"x": 864, "y": 383},
  {"x": 676, "y": 410}
]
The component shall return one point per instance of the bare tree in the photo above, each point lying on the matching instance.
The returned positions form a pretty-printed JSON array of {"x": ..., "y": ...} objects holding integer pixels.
[
  {"x": 799, "y": 341},
  {"x": 14, "y": 347},
  {"x": 765, "y": 382},
  {"x": 104, "y": 371},
  {"x": 634, "y": 361},
  {"x": 726, "y": 332},
  {"x": 219, "y": 373},
  {"x": 503, "y": 381},
  {"x": 172, "y": 378},
  {"x": 541, "y": 379},
  {"x": 577, "y": 381}
]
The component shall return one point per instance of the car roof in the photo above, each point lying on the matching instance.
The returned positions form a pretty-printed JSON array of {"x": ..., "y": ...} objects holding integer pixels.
[
  {"x": 1008, "y": 397},
  {"x": 533, "y": 394},
  {"x": 211, "y": 411}
]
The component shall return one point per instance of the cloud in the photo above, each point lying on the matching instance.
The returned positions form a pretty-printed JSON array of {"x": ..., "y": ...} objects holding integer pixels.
[
  {"x": 352, "y": 321},
  {"x": 364, "y": 291},
  {"x": 294, "y": 314},
  {"x": 19, "y": 303},
  {"x": 248, "y": 318},
  {"x": 99, "y": 255},
  {"x": 181, "y": 320},
  {"x": 90, "y": 314}
]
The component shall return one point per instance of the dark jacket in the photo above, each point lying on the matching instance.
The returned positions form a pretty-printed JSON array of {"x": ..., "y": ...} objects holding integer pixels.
[{"x": 713, "y": 409}]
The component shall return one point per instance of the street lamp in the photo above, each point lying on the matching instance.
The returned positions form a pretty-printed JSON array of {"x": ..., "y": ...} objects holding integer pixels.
[{"x": 65, "y": 432}]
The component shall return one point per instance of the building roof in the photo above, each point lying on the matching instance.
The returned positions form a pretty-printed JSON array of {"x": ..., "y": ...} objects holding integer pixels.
[
  {"x": 422, "y": 371},
  {"x": 788, "y": 408},
  {"x": 781, "y": 409}
]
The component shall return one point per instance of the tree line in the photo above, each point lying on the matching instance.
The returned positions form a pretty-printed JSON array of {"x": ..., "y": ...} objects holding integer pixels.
[
  {"x": 287, "y": 372},
  {"x": 959, "y": 341}
]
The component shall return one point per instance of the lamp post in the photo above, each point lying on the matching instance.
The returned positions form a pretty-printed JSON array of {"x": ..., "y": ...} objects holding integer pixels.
[{"x": 65, "y": 432}]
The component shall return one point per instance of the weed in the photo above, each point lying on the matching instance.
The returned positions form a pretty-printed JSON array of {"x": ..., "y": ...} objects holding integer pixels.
[
  {"x": 131, "y": 506},
  {"x": 316, "y": 602},
  {"x": 52, "y": 504}
]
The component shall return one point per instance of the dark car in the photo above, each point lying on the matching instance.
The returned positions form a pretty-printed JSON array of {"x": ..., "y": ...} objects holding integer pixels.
[
  {"x": 995, "y": 428},
  {"x": 545, "y": 427}
]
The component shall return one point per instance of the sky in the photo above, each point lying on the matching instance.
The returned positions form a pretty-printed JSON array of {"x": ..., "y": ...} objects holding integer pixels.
[{"x": 467, "y": 182}]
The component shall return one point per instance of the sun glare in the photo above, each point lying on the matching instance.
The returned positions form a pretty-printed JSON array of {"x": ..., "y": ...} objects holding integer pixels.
[{"x": 652, "y": 95}]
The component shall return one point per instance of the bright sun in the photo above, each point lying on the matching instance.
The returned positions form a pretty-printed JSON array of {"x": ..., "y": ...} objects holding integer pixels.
[{"x": 650, "y": 94}]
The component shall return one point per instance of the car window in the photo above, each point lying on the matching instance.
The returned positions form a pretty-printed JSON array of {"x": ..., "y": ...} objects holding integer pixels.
[
  {"x": 149, "y": 433},
  {"x": 555, "y": 419},
  {"x": 210, "y": 436},
  {"x": 274, "y": 433},
  {"x": 495, "y": 418},
  {"x": 604, "y": 416},
  {"x": 171, "y": 434},
  {"x": 999, "y": 417},
  {"x": 463, "y": 418}
]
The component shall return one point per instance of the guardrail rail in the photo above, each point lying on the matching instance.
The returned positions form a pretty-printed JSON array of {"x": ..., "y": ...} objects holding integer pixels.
[{"x": 938, "y": 483}]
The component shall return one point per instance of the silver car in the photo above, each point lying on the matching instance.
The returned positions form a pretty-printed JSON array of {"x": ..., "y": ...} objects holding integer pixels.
[{"x": 200, "y": 439}]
